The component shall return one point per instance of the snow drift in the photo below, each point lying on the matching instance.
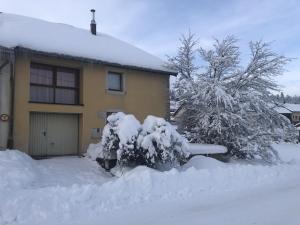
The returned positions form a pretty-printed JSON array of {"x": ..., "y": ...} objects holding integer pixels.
[
  {"x": 17, "y": 169},
  {"x": 55, "y": 203},
  {"x": 288, "y": 152}
]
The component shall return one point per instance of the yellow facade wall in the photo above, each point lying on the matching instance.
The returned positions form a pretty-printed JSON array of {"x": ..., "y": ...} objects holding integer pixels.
[{"x": 145, "y": 94}]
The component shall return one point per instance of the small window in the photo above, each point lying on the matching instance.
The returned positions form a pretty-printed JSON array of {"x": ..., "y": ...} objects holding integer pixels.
[{"x": 115, "y": 81}]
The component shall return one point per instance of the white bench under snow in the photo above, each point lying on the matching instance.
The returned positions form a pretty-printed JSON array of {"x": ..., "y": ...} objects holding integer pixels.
[{"x": 202, "y": 149}]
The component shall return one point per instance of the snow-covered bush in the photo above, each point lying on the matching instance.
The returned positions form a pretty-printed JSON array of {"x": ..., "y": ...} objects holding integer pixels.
[
  {"x": 119, "y": 138},
  {"x": 155, "y": 144},
  {"x": 160, "y": 143}
]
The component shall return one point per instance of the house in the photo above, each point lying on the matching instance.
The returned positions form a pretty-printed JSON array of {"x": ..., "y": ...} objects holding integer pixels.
[
  {"x": 58, "y": 84},
  {"x": 291, "y": 111}
]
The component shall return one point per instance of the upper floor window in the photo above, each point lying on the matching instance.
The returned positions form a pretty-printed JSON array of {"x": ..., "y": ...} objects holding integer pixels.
[
  {"x": 115, "y": 81},
  {"x": 51, "y": 84}
]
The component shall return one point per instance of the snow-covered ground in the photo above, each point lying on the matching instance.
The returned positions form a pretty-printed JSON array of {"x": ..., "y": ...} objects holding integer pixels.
[{"x": 72, "y": 190}]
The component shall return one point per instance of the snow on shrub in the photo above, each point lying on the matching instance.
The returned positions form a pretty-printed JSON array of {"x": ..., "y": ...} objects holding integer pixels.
[
  {"x": 119, "y": 138},
  {"x": 155, "y": 143},
  {"x": 17, "y": 169},
  {"x": 160, "y": 143}
]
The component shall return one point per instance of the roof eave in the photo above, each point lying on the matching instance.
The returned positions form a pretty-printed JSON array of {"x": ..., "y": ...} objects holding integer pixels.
[{"x": 89, "y": 60}]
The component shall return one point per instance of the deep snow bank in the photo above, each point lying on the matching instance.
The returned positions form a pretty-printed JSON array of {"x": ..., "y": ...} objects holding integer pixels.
[
  {"x": 61, "y": 205},
  {"x": 288, "y": 152},
  {"x": 202, "y": 162},
  {"x": 93, "y": 151},
  {"x": 17, "y": 169}
]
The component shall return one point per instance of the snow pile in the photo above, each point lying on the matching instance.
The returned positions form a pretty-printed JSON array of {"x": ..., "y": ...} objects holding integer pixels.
[
  {"x": 288, "y": 152},
  {"x": 42, "y": 36},
  {"x": 67, "y": 205},
  {"x": 206, "y": 149},
  {"x": 62, "y": 199},
  {"x": 93, "y": 151},
  {"x": 202, "y": 162},
  {"x": 17, "y": 169}
]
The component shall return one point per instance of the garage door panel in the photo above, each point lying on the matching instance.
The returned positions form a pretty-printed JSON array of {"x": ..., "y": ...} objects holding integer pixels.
[
  {"x": 53, "y": 134},
  {"x": 63, "y": 134},
  {"x": 38, "y": 134}
]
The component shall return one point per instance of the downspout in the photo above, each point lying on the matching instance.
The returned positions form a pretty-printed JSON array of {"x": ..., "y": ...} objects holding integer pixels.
[
  {"x": 168, "y": 115},
  {"x": 10, "y": 141}
]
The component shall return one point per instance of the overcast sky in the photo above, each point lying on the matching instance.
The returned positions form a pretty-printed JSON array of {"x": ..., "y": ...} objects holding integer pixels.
[{"x": 155, "y": 25}]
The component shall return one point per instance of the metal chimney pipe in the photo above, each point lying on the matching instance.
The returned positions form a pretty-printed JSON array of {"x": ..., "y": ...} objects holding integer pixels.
[{"x": 93, "y": 25}]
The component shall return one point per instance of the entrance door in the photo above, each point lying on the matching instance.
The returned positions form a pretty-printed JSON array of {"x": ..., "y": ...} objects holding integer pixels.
[{"x": 53, "y": 134}]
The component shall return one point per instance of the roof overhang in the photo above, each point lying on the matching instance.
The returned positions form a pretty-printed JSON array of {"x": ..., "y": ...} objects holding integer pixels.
[{"x": 19, "y": 49}]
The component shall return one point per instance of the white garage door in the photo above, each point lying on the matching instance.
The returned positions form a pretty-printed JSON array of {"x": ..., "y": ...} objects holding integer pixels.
[{"x": 53, "y": 134}]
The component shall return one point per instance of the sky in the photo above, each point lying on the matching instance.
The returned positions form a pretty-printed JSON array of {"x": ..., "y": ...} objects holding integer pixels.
[{"x": 156, "y": 25}]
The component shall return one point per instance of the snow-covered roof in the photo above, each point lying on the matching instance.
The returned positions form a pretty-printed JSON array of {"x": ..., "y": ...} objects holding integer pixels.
[
  {"x": 66, "y": 40},
  {"x": 292, "y": 107},
  {"x": 282, "y": 110},
  {"x": 288, "y": 108}
]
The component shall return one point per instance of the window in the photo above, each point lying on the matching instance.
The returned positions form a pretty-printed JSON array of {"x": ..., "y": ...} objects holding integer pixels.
[
  {"x": 114, "y": 81},
  {"x": 50, "y": 84}
]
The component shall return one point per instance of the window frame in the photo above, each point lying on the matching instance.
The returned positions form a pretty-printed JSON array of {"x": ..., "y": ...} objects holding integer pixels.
[
  {"x": 122, "y": 82},
  {"x": 55, "y": 86}
]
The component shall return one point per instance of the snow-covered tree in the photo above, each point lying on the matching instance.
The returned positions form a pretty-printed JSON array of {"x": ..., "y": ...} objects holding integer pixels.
[
  {"x": 119, "y": 138},
  {"x": 161, "y": 143},
  {"x": 184, "y": 63},
  {"x": 230, "y": 104}
]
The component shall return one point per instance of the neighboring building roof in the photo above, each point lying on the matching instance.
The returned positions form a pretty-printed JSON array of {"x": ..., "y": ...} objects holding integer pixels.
[
  {"x": 288, "y": 108},
  {"x": 292, "y": 107},
  {"x": 65, "y": 40},
  {"x": 282, "y": 110}
]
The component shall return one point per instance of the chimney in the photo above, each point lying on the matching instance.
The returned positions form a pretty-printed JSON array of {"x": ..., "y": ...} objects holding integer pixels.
[{"x": 93, "y": 25}]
